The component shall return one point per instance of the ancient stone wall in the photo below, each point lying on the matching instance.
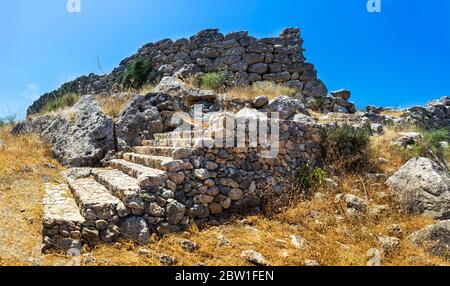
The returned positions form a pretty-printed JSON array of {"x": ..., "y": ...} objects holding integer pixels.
[
  {"x": 204, "y": 185},
  {"x": 245, "y": 59}
]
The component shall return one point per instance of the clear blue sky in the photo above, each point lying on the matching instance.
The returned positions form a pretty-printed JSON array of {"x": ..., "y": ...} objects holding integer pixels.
[{"x": 398, "y": 57}]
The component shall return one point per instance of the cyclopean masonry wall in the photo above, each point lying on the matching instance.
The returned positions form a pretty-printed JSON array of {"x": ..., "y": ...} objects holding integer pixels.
[
  {"x": 245, "y": 59},
  {"x": 200, "y": 185}
]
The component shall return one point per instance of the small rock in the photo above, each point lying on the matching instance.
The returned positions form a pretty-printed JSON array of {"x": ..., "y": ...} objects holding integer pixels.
[
  {"x": 396, "y": 231},
  {"x": 342, "y": 93},
  {"x": 222, "y": 240},
  {"x": 254, "y": 257},
  {"x": 189, "y": 245},
  {"x": 390, "y": 245},
  {"x": 284, "y": 253},
  {"x": 101, "y": 224},
  {"x": 144, "y": 252},
  {"x": 355, "y": 205},
  {"x": 202, "y": 174},
  {"x": 406, "y": 139},
  {"x": 50, "y": 166},
  {"x": 331, "y": 183},
  {"x": 311, "y": 263},
  {"x": 167, "y": 260},
  {"x": 260, "y": 101},
  {"x": 235, "y": 194},
  {"x": 299, "y": 242}
]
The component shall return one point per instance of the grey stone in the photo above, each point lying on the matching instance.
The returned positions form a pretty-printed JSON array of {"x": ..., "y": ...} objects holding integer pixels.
[
  {"x": 253, "y": 58},
  {"x": 390, "y": 245},
  {"x": 424, "y": 187},
  {"x": 84, "y": 142},
  {"x": 254, "y": 257},
  {"x": 342, "y": 93},
  {"x": 258, "y": 68},
  {"x": 138, "y": 121},
  {"x": 202, "y": 174},
  {"x": 406, "y": 139},
  {"x": 436, "y": 238},
  {"x": 260, "y": 101},
  {"x": 135, "y": 228},
  {"x": 286, "y": 106},
  {"x": 175, "y": 212}
]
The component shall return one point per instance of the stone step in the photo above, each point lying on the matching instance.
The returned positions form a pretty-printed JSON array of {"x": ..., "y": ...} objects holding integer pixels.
[
  {"x": 122, "y": 186},
  {"x": 180, "y": 143},
  {"x": 96, "y": 202},
  {"x": 62, "y": 221},
  {"x": 156, "y": 151},
  {"x": 182, "y": 134},
  {"x": 146, "y": 176},
  {"x": 158, "y": 162}
]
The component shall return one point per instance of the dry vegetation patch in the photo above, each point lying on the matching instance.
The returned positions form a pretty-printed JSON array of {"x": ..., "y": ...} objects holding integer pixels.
[
  {"x": 266, "y": 88},
  {"x": 333, "y": 237}
]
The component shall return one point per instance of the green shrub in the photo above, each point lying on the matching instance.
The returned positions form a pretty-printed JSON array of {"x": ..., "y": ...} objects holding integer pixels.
[
  {"x": 429, "y": 146},
  {"x": 309, "y": 177},
  {"x": 66, "y": 100},
  {"x": 345, "y": 148},
  {"x": 136, "y": 73},
  {"x": 213, "y": 80}
]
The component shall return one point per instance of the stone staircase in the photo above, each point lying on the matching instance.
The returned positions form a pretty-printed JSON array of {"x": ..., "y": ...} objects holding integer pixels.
[
  {"x": 169, "y": 182},
  {"x": 89, "y": 208}
]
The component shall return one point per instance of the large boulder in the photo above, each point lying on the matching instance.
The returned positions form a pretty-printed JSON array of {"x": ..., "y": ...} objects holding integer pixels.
[
  {"x": 287, "y": 106},
  {"x": 424, "y": 187},
  {"x": 139, "y": 121},
  {"x": 83, "y": 139},
  {"x": 436, "y": 238}
]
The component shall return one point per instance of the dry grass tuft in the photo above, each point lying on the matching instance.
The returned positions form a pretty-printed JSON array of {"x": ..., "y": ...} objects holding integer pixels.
[
  {"x": 269, "y": 89},
  {"x": 113, "y": 105}
]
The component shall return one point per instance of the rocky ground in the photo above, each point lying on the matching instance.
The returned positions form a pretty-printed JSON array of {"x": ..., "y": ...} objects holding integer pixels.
[
  {"x": 337, "y": 225},
  {"x": 375, "y": 191}
]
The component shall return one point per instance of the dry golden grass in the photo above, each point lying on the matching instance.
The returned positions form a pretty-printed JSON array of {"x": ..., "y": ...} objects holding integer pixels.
[
  {"x": 113, "y": 105},
  {"x": 381, "y": 146},
  {"x": 269, "y": 89},
  {"x": 24, "y": 167},
  {"x": 333, "y": 237},
  {"x": 393, "y": 113}
]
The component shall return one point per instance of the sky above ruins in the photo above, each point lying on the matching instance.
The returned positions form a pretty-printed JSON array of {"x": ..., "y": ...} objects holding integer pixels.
[{"x": 398, "y": 57}]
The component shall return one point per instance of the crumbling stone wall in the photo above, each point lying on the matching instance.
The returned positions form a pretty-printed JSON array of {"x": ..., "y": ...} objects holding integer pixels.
[
  {"x": 246, "y": 59},
  {"x": 207, "y": 186}
]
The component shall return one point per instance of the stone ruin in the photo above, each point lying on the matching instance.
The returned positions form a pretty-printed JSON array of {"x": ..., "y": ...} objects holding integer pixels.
[
  {"x": 245, "y": 60},
  {"x": 180, "y": 178}
]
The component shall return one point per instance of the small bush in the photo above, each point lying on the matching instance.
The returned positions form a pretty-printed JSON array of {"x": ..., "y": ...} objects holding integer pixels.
[
  {"x": 137, "y": 73},
  {"x": 309, "y": 177},
  {"x": 66, "y": 100},
  {"x": 213, "y": 80},
  {"x": 430, "y": 147},
  {"x": 345, "y": 148}
]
